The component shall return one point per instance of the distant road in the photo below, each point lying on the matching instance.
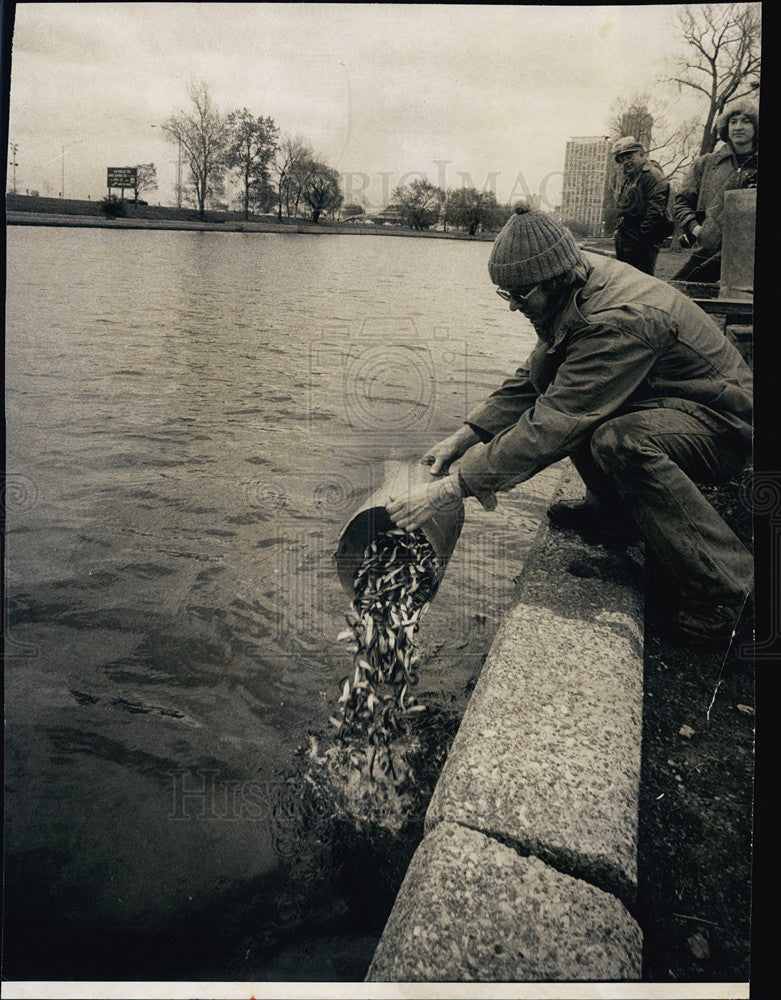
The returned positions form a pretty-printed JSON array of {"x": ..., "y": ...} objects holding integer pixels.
[
  {"x": 24, "y": 210},
  {"x": 99, "y": 222}
]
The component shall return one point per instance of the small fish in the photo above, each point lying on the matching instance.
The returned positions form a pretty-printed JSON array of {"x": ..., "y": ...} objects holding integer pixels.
[{"x": 393, "y": 587}]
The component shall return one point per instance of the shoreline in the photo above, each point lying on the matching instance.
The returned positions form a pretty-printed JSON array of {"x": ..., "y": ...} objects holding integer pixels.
[{"x": 27, "y": 218}]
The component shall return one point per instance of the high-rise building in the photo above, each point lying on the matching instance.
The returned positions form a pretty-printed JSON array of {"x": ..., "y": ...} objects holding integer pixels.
[{"x": 586, "y": 179}]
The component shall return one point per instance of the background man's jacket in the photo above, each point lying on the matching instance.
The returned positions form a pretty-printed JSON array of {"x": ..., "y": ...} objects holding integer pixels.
[{"x": 641, "y": 205}]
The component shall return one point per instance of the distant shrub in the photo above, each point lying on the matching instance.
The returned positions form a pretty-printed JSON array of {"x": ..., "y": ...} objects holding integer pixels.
[
  {"x": 582, "y": 230},
  {"x": 112, "y": 207}
]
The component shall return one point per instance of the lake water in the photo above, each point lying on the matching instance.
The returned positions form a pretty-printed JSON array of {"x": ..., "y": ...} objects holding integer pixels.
[{"x": 191, "y": 419}]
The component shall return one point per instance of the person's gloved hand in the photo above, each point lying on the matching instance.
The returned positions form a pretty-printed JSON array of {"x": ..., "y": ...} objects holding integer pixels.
[
  {"x": 686, "y": 240},
  {"x": 421, "y": 503},
  {"x": 440, "y": 455}
]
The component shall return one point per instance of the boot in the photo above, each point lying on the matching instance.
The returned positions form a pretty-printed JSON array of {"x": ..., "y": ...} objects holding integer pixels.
[
  {"x": 592, "y": 520},
  {"x": 710, "y": 625}
]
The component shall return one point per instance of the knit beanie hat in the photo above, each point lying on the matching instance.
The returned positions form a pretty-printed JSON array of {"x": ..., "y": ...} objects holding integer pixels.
[{"x": 532, "y": 247}]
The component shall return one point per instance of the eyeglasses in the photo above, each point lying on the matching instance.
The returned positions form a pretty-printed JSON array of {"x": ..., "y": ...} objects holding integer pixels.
[{"x": 516, "y": 297}]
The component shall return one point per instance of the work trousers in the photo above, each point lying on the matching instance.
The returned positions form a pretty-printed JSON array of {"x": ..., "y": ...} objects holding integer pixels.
[
  {"x": 703, "y": 266},
  {"x": 647, "y": 463},
  {"x": 638, "y": 253}
]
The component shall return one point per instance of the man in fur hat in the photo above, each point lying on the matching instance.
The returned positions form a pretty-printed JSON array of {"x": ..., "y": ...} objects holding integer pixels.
[
  {"x": 640, "y": 388},
  {"x": 699, "y": 203},
  {"x": 641, "y": 204}
]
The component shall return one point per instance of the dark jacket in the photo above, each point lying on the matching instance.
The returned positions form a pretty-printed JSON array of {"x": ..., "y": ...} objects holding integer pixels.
[
  {"x": 624, "y": 341},
  {"x": 641, "y": 205},
  {"x": 701, "y": 198}
]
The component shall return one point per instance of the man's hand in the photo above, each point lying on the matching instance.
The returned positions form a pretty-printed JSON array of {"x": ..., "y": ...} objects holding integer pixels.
[
  {"x": 440, "y": 455},
  {"x": 421, "y": 503}
]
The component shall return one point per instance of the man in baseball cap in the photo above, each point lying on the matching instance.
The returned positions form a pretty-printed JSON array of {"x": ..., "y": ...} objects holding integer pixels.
[{"x": 641, "y": 204}]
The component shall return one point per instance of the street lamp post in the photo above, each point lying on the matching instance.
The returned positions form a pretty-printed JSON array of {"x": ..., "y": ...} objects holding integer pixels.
[
  {"x": 179, "y": 174},
  {"x": 14, "y": 146},
  {"x": 178, "y": 165},
  {"x": 67, "y": 146}
]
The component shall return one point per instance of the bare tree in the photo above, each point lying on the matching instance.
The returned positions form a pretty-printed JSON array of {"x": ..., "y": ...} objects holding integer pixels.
[
  {"x": 321, "y": 189},
  {"x": 251, "y": 146},
  {"x": 680, "y": 148},
  {"x": 300, "y": 176},
  {"x": 470, "y": 209},
  {"x": 673, "y": 147},
  {"x": 146, "y": 179},
  {"x": 633, "y": 116},
  {"x": 202, "y": 135},
  {"x": 291, "y": 165},
  {"x": 723, "y": 58},
  {"x": 420, "y": 202}
]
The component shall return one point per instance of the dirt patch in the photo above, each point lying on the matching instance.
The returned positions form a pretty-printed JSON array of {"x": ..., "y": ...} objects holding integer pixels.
[{"x": 694, "y": 893}]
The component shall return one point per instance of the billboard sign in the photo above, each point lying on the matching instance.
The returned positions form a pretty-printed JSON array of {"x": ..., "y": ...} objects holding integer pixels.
[{"x": 122, "y": 177}]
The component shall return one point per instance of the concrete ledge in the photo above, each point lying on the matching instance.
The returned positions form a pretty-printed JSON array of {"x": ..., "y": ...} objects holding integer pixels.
[
  {"x": 547, "y": 757},
  {"x": 231, "y": 225},
  {"x": 539, "y": 795},
  {"x": 472, "y": 910}
]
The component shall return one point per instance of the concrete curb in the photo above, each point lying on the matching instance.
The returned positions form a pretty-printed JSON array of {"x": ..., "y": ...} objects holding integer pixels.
[
  {"x": 473, "y": 910},
  {"x": 25, "y": 218},
  {"x": 545, "y": 770}
]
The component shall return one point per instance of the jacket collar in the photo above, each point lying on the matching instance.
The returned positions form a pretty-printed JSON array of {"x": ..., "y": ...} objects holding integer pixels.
[
  {"x": 727, "y": 153},
  {"x": 569, "y": 316}
]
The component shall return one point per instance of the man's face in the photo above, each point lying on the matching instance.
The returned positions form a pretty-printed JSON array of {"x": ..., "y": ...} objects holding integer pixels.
[
  {"x": 532, "y": 302},
  {"x": 740, "y": 130},
  {"x": 632, "y": 162}
]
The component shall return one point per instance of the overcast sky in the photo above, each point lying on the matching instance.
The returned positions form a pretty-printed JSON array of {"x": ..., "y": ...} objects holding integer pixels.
[{"x": 380, "y": 90}]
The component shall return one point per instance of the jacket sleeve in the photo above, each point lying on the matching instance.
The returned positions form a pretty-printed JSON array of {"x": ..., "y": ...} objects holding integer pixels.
[
  {"x": 685, "y": 205},
  {"x": 504, "y": 407},
  {"x": 602, "y": 369},
  {"x": 657, "y": 196}
]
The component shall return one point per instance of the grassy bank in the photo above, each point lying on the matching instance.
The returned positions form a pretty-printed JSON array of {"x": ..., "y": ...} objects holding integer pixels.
[
  {"x": 28, "y": 210},
  {"x": 696, "y": 792}
]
